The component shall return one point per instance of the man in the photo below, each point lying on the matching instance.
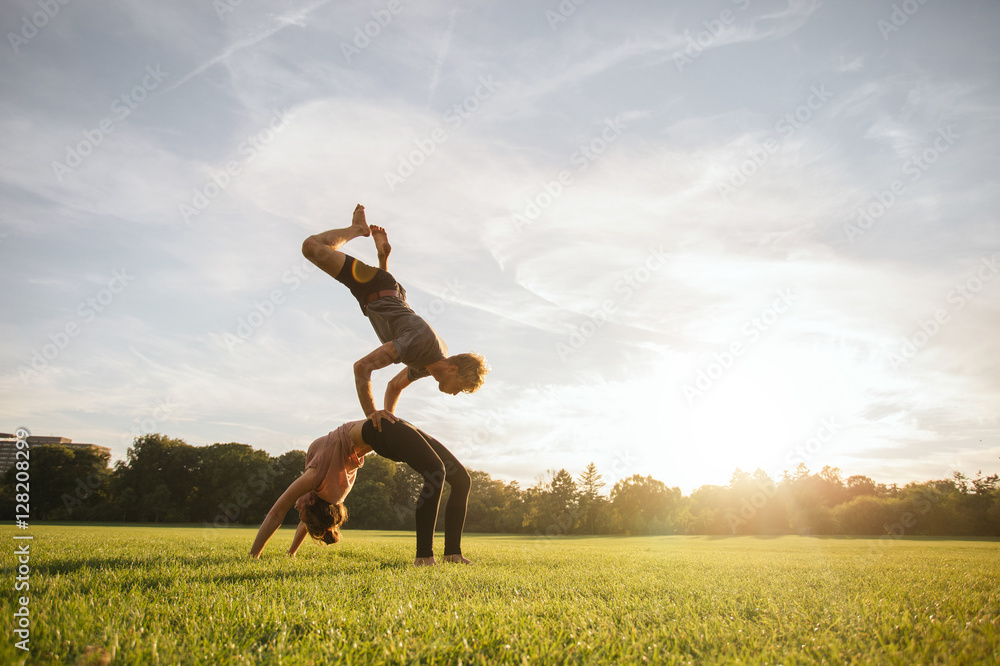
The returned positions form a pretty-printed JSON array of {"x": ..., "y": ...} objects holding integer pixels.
[{"x": 406, "y": 337}]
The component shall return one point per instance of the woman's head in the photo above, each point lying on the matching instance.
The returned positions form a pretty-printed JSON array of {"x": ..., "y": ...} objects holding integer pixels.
[{"x": 322, "y": 519}]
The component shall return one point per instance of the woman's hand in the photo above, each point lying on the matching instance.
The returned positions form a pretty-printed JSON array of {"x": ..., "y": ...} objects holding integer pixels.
[
  {"x": 274, "y": 517},
  {"x": 300, "y": 534}
]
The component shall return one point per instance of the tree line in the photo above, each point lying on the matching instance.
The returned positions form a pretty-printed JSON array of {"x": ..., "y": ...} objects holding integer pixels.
[{"x": 165, "y": 480}]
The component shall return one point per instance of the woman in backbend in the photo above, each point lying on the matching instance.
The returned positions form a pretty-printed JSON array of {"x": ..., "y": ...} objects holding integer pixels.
[{"x": 331, "y": 466}]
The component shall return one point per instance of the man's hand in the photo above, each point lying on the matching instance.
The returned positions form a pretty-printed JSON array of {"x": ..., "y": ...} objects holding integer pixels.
[{"x": 380, "y": 414}]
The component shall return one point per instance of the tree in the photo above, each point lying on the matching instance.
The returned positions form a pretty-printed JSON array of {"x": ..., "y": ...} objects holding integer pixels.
[
  {"x": 809, "y": 498},
  {"x": 830, "y": 485},
  {"x": 494, "y": 506},
  {"x": 590, "y": 483},
  {"x": 863, "y": 515},
  {"x": 591, "y": 501},
  {"x": 127, "y": 499},
  {"x": 371, "y": 503},
  {"x": 551, "y": 507},
  {"x": 831, "y": 475},
  {"x": 644, "y": 505},
  {"x": 754, "y": 506},
  {"x": 167, "y": 467},
  {"x": 983, "y": 505},
  {"x": 65, "y": 482},
  {"x": 563, "y": 501},
  {"x": 233, "y": 483},
  {"x": 709, "y": 511},
  {"x": 156, "y": 503},
  {"x": 859, "y": 486}
]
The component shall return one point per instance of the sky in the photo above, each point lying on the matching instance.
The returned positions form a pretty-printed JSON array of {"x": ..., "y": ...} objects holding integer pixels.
[{"x": 688, "y": 237}]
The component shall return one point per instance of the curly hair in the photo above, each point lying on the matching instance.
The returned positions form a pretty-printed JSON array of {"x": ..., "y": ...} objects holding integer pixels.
[
  {"x": 323, "y": 520},
  {"x": 472, "y": 370}
]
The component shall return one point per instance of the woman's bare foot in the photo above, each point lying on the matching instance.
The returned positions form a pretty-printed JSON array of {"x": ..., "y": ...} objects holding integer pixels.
[
  {"x": 381, "y": 239},
  {"x": 425, "y": 562},
  {"x": 359, "y": 221},
  {"x": 456, "y": 559}
]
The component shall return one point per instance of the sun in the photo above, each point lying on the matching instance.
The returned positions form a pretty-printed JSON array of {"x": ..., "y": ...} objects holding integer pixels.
[{"x": 752, "y": 417}]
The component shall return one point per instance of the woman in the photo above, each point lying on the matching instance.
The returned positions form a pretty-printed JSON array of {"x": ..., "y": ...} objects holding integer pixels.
[{"x": 331, "y": 467}]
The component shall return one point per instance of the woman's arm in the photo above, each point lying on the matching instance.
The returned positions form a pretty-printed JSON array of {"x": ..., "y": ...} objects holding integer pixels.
[
  {"x": 300, "y": 535},
  {"x": 272, "y": 521}
]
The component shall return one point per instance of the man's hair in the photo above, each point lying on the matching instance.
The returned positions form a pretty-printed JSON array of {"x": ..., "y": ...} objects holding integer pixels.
[
  {"x": 472, "y": 370},
  {"x": 323, "y": 520}
]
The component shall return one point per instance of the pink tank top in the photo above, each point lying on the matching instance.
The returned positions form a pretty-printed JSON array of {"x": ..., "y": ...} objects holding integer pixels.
[{"x": 336, "y": 466}]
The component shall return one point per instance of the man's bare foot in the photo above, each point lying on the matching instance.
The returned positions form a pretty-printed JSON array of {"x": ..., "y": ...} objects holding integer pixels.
[
  {"x": 456, "y": 559},
  {"x": 381, "y": 239},
  {"x": 359, "y": 221},
  {"x": 425, "y": 562}
]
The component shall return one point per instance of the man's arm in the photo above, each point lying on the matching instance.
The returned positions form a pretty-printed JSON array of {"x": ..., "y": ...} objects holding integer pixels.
[
  {"x": 394, "y": 388},
  {"x": 380, "y": 358}
]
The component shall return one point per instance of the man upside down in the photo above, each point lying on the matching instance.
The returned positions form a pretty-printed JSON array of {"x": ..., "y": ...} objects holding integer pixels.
[{"x": 406, "y": 337}]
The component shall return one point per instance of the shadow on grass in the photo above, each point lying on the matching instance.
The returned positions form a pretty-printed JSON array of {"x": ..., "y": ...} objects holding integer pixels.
[
  {"x": 313, "y": 569},
  {"x": 120, "y": 562},
  {"x": 92, "y": 564},
  {"x": 146, "y": 573},
  {"x": 848, "y": 537}
]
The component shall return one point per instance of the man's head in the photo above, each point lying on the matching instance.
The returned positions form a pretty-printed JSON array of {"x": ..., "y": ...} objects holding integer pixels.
[{"x": 463, "y": 373}]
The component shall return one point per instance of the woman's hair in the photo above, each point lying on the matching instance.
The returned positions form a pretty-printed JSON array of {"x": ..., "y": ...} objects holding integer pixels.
[
  {"x": 472, "y": 370},
  {"x": 323, "y": 520}
]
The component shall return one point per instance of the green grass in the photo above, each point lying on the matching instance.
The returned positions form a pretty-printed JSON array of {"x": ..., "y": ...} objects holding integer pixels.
[{"x": 144, "y": 595}]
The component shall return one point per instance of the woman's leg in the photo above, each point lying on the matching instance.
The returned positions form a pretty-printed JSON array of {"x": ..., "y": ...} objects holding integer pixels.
[
  {"x": 401, "y": 442},
  {"x": 458, "y": 501}
]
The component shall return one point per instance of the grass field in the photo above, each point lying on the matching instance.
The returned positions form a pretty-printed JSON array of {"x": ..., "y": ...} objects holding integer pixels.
[{"x": 144, "y": 595}]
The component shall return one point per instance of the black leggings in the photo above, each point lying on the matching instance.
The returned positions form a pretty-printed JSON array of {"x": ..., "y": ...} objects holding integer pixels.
[{"x": 402, "y": 442}]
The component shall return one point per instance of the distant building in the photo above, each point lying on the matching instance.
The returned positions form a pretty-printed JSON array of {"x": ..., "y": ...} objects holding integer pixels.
[{"x": 8, "y": 447}]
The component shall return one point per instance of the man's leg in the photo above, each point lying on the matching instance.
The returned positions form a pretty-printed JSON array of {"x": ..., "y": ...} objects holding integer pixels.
[
  {"x": 323, "y": 249},
  {"x": 382, "y": 246}
]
